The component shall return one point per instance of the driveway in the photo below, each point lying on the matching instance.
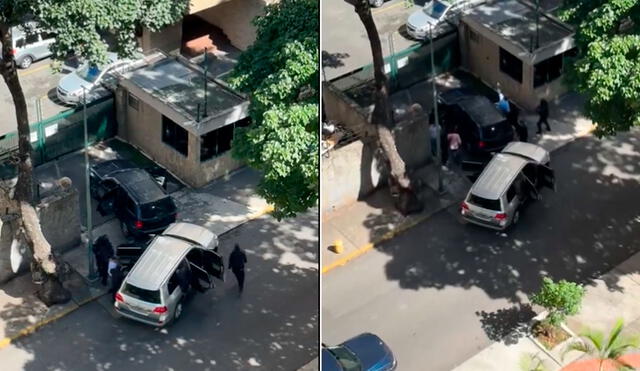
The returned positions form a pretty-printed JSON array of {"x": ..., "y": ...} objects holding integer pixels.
[
  {"x": 38, "y": 84},
  {"x": 442, "y": 291}
]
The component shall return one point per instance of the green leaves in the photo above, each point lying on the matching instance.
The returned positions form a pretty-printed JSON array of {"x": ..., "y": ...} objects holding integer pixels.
[
  {"x": 278, "y": 71},
  {"x": 561, "y": 299},
  {"x": 608, "y": 67},
  {"x": 83, "y": 26}
]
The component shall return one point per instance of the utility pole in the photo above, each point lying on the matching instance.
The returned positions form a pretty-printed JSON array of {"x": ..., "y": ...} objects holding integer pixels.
[
  {"x": 537, "y": 24},
  {"x": 435, "y": 112},
  {"x": 206, "y": 68},
  {"x": 90, "y": 260}
]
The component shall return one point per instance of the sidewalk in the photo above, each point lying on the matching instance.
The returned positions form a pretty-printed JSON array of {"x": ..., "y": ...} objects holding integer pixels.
[
  {"x": 221, "y": 206},
  {"x": 614, "y": 295},
  {"x": 368, "y": 222}
]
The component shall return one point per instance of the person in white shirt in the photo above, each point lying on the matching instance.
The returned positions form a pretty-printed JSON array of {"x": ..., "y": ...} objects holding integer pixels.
[{"x": 454, "y": 140}]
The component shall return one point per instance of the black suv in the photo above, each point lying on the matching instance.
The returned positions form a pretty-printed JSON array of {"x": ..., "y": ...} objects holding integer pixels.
[
  {"x": 133, "y": 195},
  {"x": 482, "y": 127}
]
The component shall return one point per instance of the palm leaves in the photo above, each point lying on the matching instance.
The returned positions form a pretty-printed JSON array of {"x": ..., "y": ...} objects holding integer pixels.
[{"x": 606, "y": 349}]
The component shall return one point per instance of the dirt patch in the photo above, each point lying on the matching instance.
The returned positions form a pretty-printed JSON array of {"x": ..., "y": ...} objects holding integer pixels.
[{"x": 549, "y": 335}]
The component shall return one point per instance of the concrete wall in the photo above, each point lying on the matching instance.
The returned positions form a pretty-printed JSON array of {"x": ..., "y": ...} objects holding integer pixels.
[
  {"x": 199, "y": 5},
  {"x": 60, "y": 222},
  {"x": 482, "y": 59},
  {"x": 351, "y": 172},
  {"x": 234, "y": 18},
  {"x": 168, "y": 39},
  {"x": 339, "y": 107},
  {"x": 143, "y": 129}
]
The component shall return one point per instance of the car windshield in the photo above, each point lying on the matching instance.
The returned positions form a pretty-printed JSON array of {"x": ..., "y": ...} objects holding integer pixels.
[
  {"x": 150, "y": 296},
  {"x": 436, "y": 9},
  {"x": 484, "y": 202},
  {"x": 161, "y": 208},
  {"x": 346, "y": 358},
  {"x": 89, "y": 72}
]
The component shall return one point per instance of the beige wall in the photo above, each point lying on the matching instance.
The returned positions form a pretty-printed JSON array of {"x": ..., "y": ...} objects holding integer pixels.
[
  {"x": 143, "y": 129},
  {"x": 199, "y": 5},
  {"x": 234, "y": 18},
  {"x": 482, "y": 59}
]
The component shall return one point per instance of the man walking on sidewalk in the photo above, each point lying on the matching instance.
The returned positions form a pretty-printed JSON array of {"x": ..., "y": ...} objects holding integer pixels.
[
  {"x": 543, "y": 111},
  {"x": 237, "y": 260}
]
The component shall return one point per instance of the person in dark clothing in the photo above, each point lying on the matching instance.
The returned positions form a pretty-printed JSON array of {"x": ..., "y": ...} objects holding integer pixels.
[
  {"x": 543, "y": 111},
  {"x": 117, "y": 276},
  {"x": 183, "y": 276},
  {"x": 103, "y": 250},
  {"x": 237, "y": 260}
]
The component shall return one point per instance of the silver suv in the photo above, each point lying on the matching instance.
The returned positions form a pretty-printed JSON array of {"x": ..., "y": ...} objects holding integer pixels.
[
  {"x": 511, "y": 178},
  {"x": 30, "y": 43},
  {"x": 185, "y": 256}
]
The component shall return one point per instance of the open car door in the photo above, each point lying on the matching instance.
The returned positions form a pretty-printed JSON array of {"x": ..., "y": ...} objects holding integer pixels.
[
  {"x": 201, "y": 277},
  {"x": 213, "y": 264},
  {"x": 129, "y": 255},
  {"x": 547, "y": 177},
  {"x": 530, "y": 188},
  {"x": 106, "y": 204}
]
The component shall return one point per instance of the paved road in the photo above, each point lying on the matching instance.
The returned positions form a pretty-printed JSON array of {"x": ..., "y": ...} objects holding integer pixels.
[
  {"x": 442, "y": 291},
  {"x": 38, "y": 82},
  {"x": 272, "y": 327}
]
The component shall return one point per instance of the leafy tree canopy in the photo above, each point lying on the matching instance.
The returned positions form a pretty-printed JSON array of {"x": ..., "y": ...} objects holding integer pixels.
[
  {"x": 281, "y": 75},
  {"x": 608, "y": 65},
  {"x": 84, "y": 26}
]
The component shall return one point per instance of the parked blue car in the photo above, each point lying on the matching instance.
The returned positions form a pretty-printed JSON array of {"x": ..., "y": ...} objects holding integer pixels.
[{"x": 365, "y": 352}]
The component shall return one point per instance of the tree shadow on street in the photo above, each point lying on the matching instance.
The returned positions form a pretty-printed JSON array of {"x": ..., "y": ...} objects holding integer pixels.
[{"x": 508, "y": 324}]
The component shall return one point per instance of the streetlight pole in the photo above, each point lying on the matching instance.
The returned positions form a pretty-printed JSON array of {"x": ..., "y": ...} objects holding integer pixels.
[
  {"x": 90, "y": 259},
  {"x": 206, "y": 69},
  {"x": 435, "y": 111}
]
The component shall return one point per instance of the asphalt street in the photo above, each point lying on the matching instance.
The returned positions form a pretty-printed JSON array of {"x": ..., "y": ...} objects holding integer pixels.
[
  {"x": 38, "y": 83},
  {"x": 273, "y": 326},
  {"x": 442, "y": 291}
]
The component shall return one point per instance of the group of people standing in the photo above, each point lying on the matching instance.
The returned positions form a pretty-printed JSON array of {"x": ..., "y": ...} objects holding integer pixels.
[
  {"x": 452, "y": 142},
  {"x": 110, "y": 270}
]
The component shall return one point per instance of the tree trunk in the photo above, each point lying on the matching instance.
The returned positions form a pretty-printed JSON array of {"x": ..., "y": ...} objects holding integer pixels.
[
  {"x": 52, "y": 291},
  {"x": 407, "y": 201}
]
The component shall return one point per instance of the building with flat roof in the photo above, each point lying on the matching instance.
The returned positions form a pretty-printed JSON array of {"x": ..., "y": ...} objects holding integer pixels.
[
  {"x": 163, "y": 109},
  {"x": 521, "y": 50}
]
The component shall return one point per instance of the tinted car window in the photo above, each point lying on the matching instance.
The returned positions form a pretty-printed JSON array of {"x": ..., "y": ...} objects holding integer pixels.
[
  {"x": 511, "y": 193},
  {"x": 485, "y": 203},
  {"x": 161, "y": 207},
  {"x": 142, "y": 294},
  {"x": 346, "y": 358},
  {"x": 496, "y": 131}
]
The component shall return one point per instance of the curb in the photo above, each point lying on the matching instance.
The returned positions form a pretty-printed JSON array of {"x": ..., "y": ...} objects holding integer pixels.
[
  {"x": 403, "y": 227},
  {"x": 265, "y": 210},
  {"x": 33, "y": 328},
  {"x": 385, "y": 237}
]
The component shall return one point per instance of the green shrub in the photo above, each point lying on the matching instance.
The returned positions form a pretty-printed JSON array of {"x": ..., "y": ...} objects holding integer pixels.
[{"x": 561, "y": 299}]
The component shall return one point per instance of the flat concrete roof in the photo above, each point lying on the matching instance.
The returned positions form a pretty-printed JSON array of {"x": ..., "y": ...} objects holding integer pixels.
[
  {"x": 515, "y": 21},
  {"x": 182, "y": 87}
]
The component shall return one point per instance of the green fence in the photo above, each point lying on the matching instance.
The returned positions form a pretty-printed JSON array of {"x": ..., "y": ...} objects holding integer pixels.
[
  {"x": 404, "y": 68},
  {"x": 62, "y": 133}
]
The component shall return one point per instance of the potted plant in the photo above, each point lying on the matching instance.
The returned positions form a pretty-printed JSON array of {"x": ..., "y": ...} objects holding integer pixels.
[
  {"x": 609, "y": 353},
  {"x": 560, "y": 299}
]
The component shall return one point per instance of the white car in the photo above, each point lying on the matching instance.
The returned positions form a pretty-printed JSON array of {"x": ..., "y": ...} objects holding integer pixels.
[
  {"x": 421, "y": 21},
  {"x": 86, "y": 77}
]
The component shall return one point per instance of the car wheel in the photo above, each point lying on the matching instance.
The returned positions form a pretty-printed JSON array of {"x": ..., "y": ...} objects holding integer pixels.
[
  {"x": 125, "y": 229},
  {"x": 25, "y": 62},
  {"x": 177, "y": 312}
]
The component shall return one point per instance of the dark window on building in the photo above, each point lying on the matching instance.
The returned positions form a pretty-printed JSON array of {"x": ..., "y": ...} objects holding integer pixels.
[
  {"x": 511, "y": 65},
  {"x": 133, "y": 101},
  {"x": 218, "y": 141},
  {"x": 547, "y": 70},
  {"x": 175, "y": 136}
]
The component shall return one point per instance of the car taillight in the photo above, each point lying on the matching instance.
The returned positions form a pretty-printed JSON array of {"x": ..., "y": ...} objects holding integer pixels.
[
  {"x": 160, "y": 310},
  {"x": 119, "y": 297},
  {"x": 481, "y": 144},
  {"x": 138, "y": 224},
  {"x": 501, "y": 216}
]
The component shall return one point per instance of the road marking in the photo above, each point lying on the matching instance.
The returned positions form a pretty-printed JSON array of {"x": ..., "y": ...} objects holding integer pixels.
[
  {"x": 378, "y": 11},
  {"x": 33, "y": 70}
]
